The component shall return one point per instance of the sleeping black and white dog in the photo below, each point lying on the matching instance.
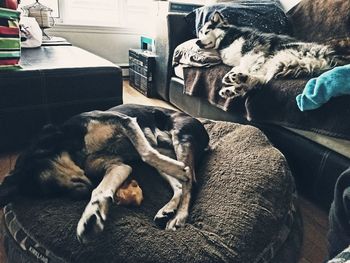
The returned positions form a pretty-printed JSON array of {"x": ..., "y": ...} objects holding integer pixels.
[
  {"x": 258, "y": 57},
  {"x": 93, "y": 150}
]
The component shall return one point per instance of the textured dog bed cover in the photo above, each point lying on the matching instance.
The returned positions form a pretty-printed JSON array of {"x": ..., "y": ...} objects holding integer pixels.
[{"x": 242, "y": 211}]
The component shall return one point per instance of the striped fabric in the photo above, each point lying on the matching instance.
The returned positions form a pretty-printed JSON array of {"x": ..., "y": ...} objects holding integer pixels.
[
  {"x": 10, "y": 44},
  {"x": 11, "y": 4}
]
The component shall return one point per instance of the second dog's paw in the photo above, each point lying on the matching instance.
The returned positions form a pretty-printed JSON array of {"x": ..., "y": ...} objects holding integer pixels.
[
  {"x": 234, "y": 78},
  {"x": 232, "y": 91},
  {"x": 227, "y": 92}
]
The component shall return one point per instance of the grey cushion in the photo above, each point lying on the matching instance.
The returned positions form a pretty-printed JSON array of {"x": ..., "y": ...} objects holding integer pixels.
[{"x": 243, "y": 211}]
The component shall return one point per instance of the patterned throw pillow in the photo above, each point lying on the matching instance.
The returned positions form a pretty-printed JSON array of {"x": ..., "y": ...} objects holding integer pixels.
[{"x": 11, "y": 4}]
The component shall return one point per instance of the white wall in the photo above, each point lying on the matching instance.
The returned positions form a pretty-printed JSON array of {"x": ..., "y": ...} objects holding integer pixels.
[
  {"x": 113, "y": 43},
  {"x": 110, "y": 43}
]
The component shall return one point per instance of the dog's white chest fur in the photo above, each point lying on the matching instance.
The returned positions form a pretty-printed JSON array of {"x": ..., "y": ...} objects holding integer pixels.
[{"x": 232, "y": 54}]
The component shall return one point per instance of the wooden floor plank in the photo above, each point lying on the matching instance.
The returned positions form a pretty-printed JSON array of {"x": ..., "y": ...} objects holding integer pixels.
[
  {"x": 130, "y": 95},
  {"x": 319, "y": 216}
]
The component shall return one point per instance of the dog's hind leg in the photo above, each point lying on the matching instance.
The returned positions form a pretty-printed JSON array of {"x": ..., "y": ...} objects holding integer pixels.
[
  {"x": 133, "y": 131},
  {"x": 169, "y": 210},
  {"x": 184, "y": 150},
  {"x": 308, "y": 60},
  {"x": 95, "y": 214}
]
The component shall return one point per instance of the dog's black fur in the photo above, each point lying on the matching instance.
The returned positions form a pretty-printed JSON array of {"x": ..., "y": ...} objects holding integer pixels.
[{"x": 87, "y": 145}]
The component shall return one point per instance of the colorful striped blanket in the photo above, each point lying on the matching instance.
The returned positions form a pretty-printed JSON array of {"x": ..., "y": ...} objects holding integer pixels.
[{"x": 10, "y": 44}]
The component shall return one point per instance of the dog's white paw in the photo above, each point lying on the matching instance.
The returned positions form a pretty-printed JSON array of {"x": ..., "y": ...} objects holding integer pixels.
[
  {"x": 166, "y": 212},
  {"x": 163, "y": 216},
  {"x": 234, "y": 78},
  {"x": 178, "y": 221},
  {"x": 236, "y": 83},
  {"x": 228, "y": 92},
  {"x": 93, "y": 219},
  {"x": 233, "y": 91}
]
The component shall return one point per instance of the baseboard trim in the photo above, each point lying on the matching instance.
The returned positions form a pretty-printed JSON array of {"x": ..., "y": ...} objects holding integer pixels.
[{"x": 125, "y": 70}]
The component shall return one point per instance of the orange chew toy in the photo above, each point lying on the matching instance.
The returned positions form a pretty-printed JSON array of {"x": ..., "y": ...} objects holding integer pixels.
[{"x": 129, "y": 193}]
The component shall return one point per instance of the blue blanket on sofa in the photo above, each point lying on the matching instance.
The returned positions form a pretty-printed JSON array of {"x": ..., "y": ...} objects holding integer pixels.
[{"x": 333, "y": 83}]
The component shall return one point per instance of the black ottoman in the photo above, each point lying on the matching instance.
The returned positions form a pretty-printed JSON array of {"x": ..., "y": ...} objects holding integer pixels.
[
  {"x": 55, "y": 82},
  {"x": 243, "y": 211}
]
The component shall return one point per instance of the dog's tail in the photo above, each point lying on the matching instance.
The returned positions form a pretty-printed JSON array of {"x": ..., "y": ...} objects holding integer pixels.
[
  {"x": 341, "y": 49},
  {"x": 8, "y": 190}
]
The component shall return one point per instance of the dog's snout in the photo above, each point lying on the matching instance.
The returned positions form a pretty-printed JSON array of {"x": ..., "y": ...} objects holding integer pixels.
[
  {"x": 81, "y": 187},
  {"x": 82, "y": 180},
  {"x": 199, "y": 43}
]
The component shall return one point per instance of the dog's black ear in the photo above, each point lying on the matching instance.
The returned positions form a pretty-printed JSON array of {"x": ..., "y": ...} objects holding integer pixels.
[
  {"x": 217, "y": 18},
  {"x": 8, "y": 190}
]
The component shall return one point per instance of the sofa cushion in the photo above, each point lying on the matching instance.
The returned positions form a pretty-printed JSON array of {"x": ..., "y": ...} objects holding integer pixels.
[
  {"x": 317, "y": 20},
  {"x": 243, "y": 211},
  {"x": 266, "y": 15}
]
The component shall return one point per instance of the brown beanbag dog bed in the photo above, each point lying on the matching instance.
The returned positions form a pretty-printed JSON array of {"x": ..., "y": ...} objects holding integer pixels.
[{"x": 242, "y": 211}]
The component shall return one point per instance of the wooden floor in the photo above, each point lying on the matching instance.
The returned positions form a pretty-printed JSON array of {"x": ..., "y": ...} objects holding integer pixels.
[{"x": 315, "y": 220}]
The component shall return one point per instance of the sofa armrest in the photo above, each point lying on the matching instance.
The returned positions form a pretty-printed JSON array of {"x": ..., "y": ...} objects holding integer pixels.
[{"x": 172, "y": 30}]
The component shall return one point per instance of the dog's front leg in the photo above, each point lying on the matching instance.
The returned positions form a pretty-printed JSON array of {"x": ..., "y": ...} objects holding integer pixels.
[
  {"x": 184, "y": 152},
  {"x": 168, "y": 211},
  {"x": 95, "y": 214}
]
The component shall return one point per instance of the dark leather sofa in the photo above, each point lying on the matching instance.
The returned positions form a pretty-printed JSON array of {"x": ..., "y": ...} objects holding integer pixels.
[
  {"x": 315, "y": 167},
  {"x": 55, "y": 82}
]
